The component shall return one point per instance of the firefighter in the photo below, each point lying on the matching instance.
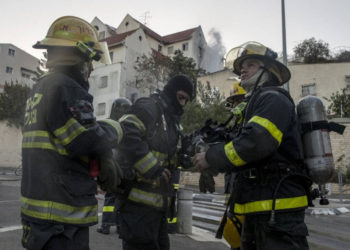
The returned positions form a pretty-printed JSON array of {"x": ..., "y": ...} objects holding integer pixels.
[
  {"x": 270, "y": 189},
  {"x": 151, "y": 134},
  {"x": 120, "y": 106},
  {"x": 237, "y": 107},
  {"x": 60, "y": 134}
]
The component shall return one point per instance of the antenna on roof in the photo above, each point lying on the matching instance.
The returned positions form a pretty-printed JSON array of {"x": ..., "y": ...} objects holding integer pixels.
[{"x": 145, "y": 18}]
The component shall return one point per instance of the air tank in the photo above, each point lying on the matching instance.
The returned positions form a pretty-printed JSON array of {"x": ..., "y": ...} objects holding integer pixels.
[{"x": 317, "y": 148}]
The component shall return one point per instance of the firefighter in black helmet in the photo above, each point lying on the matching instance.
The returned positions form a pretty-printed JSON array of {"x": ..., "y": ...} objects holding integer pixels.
[
  {"x": 151, "y": 137},
  {"x": 60, "y": 135},
  {"x": 120, "y": 107},
  {"x": 270, "y": 190}
]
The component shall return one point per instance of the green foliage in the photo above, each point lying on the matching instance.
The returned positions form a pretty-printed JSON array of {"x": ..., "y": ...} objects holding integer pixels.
[
  {"x": 181, "y": 64},
  {"x": 152, "y": 69},
  {"x": 13, "y": 102},
  {"x": 208, "y": 105},
  {"x": 340, "y": 104},
  {"x": 312, "y": 51},
  {"x": 343, "y": 56}
]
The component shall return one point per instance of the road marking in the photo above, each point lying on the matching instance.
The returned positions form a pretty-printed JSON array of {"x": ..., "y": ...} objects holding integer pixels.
[
  {"x": 10, "y": 201},
  {"x": 11, "y": 228}
]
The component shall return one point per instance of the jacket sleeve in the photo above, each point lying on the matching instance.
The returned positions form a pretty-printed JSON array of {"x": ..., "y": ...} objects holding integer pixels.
[
  {"x": 260, "y": 137},
  {"x": 77, "y": 139},
  {"x": 135, "y": 125}
]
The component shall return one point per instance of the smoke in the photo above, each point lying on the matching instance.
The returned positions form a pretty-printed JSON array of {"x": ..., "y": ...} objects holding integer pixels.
[{"x": 214, "y": 52}]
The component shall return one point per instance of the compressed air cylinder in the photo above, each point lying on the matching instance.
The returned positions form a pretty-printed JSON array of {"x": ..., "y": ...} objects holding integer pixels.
[{"x": 317, "y": 148}]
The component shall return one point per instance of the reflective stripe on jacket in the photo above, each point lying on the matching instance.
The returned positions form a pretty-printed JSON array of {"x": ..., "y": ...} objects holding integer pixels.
[
  {"x": 56, "y": 186},
  {"x": 150, "y": 141},
  {"x": 269, "y": 131}
]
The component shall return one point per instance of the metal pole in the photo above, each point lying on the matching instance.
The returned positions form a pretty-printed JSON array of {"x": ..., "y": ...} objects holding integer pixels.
[
  {"x": 285, "y": 59},
  {"x": 184, "y": 212}
]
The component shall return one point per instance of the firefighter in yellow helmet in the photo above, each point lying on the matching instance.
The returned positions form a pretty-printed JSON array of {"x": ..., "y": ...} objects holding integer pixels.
[
  {"x": 60, "y": 134},
  {"x": 271, "y": 187}
]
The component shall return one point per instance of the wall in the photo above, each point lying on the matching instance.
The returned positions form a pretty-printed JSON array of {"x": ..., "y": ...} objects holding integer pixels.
[
  {"x": 328, "y": 77},
  {"x": 21, "y": 59},
  {"x": 10, "y": 145},
  {"x": 221, "y": 79}
]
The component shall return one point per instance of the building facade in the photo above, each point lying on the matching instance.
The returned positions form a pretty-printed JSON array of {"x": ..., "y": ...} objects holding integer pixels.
[
  {"x": 16, "y": 65},
  {"x": 127, "y": 44}
]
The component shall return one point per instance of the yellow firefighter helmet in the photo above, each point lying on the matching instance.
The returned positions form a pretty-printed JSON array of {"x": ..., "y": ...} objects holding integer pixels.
[
  {"x": 74, "y": 32},
  {"x": 237, "y": 55},
  {"x": 238, "y": 91}
]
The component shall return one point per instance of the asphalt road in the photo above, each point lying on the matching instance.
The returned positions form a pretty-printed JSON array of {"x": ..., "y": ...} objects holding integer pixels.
[{"x": 10, "y": 229}]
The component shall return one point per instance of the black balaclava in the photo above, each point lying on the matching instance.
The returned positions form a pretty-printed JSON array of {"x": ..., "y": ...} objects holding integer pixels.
[{"x": 176, "y": 83}]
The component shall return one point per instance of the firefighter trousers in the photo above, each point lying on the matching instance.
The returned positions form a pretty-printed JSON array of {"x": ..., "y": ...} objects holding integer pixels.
[
  {"x": 143, "y": 228},
  {"x": 288, "y": 233},
  {"x": 46, "y": 236}
]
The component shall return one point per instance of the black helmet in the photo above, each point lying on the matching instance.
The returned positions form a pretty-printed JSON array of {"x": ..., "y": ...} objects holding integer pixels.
[{"x": 120, "y": 106}]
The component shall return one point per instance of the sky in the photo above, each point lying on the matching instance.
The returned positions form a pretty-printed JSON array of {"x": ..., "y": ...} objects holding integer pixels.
[{"x": 24, "y": 22}]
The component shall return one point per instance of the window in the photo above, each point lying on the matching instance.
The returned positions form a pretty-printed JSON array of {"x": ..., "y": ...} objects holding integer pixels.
[
  {"x": 103, "y": 82},
  {"x": 185, "y": 46},
  {"x": 308, "y": 89},
  {"x": 170, "y": 50},
  {"x": 111, "y": 56},
  {"x": 127, "y": 23},
  {"x": 24, "y": 75},
  {"x": 11, "y": 52},
  {"x": 140, "y": 38},
  {"x": 101, "y": 35},
  {"x": 9, "y": 70},
  {"x": 101, "y": 108},
  {"x": 160, "y": 48}
]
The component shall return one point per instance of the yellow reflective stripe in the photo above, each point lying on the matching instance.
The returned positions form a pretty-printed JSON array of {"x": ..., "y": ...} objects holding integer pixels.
[
  {"x": 135, "y": 121},
  {"x": 146, "y": 163},
  {"x": 42, "y": 139},
  {"x": 152, "y": 199},
  {"x": 55, "y": 211},
  {"x": 266, "y": 205},
  {"x": 116, "y": 126},
  {"x": 269, "y": 126},
  {"x": 176, "y": 186},
  {"x": 174, "y": 220},
  {"x": 232, "y": 155},
  {"x": 68, "y": 132},
  {"x": 108, "y": 209}
]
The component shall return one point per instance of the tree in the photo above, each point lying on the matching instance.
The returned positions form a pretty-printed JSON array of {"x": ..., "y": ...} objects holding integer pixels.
[
  {"x": 340, "y": 103},
  {"x": 208, "y": 105},
  {"x": 312, "y": 51},
  {"x": 13, "y": 102},
  {"x": 152, "y": 69},
  {"x": 181, "y": 64},
  {"x": 343, "y": 56}
]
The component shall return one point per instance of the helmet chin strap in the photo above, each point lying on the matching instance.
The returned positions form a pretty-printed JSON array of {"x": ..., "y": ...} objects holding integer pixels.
[{"x": 252, "y": 83}]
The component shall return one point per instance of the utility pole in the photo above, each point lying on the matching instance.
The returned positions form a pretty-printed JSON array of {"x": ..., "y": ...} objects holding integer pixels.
[{"x": 285, "y": 60}]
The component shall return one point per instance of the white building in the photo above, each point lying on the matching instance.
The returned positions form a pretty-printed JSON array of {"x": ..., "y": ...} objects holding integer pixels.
[
  {"x": 127, "y": 43},
  {"x": 16, "y": 65}
]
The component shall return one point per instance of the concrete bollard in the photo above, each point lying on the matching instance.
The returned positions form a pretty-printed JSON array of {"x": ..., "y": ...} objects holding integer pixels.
[{"x": 184, "y": 212}]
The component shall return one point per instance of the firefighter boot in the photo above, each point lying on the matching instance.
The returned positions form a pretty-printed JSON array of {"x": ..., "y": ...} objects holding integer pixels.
[{"x": 104, "y": 229}]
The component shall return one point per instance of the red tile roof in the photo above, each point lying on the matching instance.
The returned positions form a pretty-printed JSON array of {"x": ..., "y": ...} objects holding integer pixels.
[
  {"x": 171, "y": 38},
  {"x": 116, "y": 39},
  {"x": 179, "y": 36}
]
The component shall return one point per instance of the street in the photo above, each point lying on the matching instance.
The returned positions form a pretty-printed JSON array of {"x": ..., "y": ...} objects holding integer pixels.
[
  {"x": 326, "y": 231},
  {"x": 10, "y": 226}
]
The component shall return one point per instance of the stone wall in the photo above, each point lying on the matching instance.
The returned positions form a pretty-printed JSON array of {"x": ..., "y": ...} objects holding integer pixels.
[{"x": 10, "y": 145}]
